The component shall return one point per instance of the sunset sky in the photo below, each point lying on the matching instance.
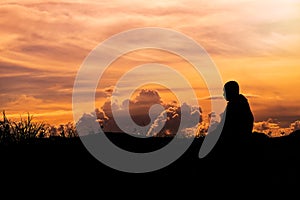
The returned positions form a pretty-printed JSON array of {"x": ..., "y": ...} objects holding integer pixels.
[{"x": 257, "y": 43}]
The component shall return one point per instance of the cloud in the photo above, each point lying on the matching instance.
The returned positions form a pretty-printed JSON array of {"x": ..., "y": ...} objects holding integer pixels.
[
  {"x": 266, "y": 125},
  {"x": 285, "y": 111},
  {"x": 295, "y": 125},
  {"x": 212, "y": 98},
  {"x": 25, "y": 100},
  {"x": 44, "y": 43},
  {"x": 88, "y": 124},
  {"x": 49, "y": 88},
  {"x": 165, "y": 123},
  {"x": 67, "y": 31},
  {"x": 213, "y": 120},
  {"x": 17, "y": 80},
  {"x": 274, "y": 128},
  {"x": 11, "y": 70},
  {"x": 250, "y": 96},
  {"x": 140, "y": 106},
  {"x": 169, "y": 121},
  {"x": 109, "y": 90},
  {"x": 139, "y": 109},
  {"x": 23, "y": 103},
  {"x": 51, "y": 43}
]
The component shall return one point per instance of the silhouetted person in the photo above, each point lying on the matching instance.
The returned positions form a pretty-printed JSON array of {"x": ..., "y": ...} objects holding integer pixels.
[
  {"x": 237, "y": 122},
  {"x": 239, "y": 118}
]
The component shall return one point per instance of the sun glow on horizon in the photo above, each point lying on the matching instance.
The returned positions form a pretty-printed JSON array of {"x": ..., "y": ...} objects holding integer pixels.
[{"x": 43, "y": 44}]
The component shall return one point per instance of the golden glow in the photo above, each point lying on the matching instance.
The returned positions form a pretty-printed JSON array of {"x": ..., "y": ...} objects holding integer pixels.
[
  {"x": 43, "y": 45},
  {"x": 137, "y": 58}
]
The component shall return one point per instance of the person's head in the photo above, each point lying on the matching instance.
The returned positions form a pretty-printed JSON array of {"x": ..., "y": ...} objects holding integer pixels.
[{"x": 231, "y": 90}]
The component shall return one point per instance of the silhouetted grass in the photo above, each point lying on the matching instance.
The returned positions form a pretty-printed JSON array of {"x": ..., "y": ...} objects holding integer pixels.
[{"x": 25, "y": 130}]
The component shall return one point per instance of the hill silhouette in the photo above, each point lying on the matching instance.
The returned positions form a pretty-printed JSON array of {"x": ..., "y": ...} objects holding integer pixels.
[{"x": 261, "y": 159}]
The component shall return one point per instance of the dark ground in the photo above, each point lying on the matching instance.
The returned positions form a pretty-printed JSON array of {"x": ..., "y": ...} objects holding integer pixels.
[{"x": 57, "y": 162}]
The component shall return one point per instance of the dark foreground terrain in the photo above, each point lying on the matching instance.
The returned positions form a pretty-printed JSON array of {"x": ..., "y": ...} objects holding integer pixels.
[{"x": 59, "y": 161}]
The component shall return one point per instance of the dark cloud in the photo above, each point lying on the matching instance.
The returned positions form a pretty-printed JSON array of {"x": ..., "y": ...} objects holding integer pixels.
[{"x": 140, "y": 106}]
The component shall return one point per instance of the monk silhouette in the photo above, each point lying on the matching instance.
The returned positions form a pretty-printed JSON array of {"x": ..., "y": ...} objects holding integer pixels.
[{"x": 237, "y": 122}]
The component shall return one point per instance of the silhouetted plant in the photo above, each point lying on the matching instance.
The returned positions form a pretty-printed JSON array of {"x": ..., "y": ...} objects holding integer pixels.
[
  {"x": 5, "y": 130},
  {"x": 25, "y": 129},
  {"x": 66, "y": 130},
  {"x": 71, "y": 130}
]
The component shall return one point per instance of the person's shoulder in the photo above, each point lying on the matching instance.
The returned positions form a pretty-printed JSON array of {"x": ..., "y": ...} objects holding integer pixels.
[{"x": 243, "y": 98}]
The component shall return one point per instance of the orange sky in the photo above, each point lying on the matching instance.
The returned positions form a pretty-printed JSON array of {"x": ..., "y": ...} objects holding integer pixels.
[{"x": 43, "y": 45}]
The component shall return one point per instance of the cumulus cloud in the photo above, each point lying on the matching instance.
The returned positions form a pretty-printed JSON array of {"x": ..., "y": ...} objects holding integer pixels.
[
  {"x": 266, "y": 125},
  {"x": 295, "y": 125},
  {"x": 185, "y": 117},
  {"x": 165, "y": 123},
  {"x": 274, "y": 128},
  {"x": 140, "y": 106},
  {"x": 88, "y": 124},
  {"x": 270, "y": 127},
  {"x": 213, "y": 120}
]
